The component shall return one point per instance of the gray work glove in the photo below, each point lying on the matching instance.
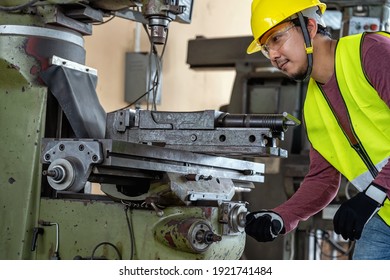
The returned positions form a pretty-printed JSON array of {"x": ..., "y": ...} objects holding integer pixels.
[{"x": 264, "y": 226}]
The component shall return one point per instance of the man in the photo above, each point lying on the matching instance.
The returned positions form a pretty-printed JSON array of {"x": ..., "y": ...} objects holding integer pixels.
[{"x": 347, "y": 118}]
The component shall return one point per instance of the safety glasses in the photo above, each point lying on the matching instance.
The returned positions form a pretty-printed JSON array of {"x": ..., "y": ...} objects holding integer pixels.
[{"x": 276, "y": 40}]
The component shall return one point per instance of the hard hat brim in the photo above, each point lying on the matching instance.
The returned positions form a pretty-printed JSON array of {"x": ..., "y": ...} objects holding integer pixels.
[{"x": 253, "y": 47}]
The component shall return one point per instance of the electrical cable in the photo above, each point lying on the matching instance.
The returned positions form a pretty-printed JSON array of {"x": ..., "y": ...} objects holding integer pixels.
[
  {"x": 156, "y": 78},
  {"x": 138, "y": 99},
  {"x": 156, "y": 81},
  {"x": 157, "y": 75},
  {"x": 56, "y": 254},
  {"x": 326, "y": 238},
  {"x": 105, "y": 243},
  {"x": 57, "y": 236},
  {"x": 135, "y": 101},
  {"x": 131, "y": 230},
  {"x": 159, "y": 60},
  {"x": 19, "y": 7},
  {"x": 165, "y": 45},
  {"x": 104, "y": 22}
]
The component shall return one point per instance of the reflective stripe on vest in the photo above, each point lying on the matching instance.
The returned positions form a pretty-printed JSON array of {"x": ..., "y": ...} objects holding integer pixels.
[{"x": 369, "y": 117}]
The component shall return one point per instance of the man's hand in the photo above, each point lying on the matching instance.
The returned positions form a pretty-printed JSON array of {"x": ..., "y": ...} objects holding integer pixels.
[
  {"x": 264, "y": 225},
  {"x": 353, "y": 214}
]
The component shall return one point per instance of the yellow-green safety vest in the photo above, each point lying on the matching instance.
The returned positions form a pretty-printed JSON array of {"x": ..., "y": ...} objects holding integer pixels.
[{"x": 369, "y": 117}]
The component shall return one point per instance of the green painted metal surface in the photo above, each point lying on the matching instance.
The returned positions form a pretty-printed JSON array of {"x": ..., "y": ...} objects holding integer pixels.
[
  {"x": 22, "y": 121},
  {"x": 83, "y": 225},
  {"x": 22, "y": 113}
]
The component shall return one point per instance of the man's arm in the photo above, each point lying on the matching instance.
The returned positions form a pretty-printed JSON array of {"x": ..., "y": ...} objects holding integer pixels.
[{"x": 316, "y": 191}]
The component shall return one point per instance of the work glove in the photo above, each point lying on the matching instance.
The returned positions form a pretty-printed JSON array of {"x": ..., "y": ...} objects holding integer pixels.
[
  {"x": 263, "y": 225},
  {"x": 353, "y": 214}
]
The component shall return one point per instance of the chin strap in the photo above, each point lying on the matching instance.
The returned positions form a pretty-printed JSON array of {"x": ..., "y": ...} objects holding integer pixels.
[{"x": 308, "y": 46}]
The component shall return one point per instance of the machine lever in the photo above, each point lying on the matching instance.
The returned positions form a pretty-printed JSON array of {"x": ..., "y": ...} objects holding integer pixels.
[
  {"x": 159, "y": 212},
  {"x": 37, "y": 231}
]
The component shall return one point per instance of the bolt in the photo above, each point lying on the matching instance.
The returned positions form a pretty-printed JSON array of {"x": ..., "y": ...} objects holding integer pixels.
[
  {"x": 57, "y": 173},
  {"x": 248, "y": 172}
]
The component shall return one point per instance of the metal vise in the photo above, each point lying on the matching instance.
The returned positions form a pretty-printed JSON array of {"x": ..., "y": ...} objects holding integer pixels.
[{"x": 210, "y": 132}]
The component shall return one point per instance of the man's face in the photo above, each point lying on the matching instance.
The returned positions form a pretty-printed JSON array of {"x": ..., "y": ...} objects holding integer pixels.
[{"x": 284, "y": 46}]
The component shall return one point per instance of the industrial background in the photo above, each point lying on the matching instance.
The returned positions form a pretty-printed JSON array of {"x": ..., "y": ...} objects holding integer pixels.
[
  {"x": 183, "y": 88},
  {"x": 123, "y": 137}
]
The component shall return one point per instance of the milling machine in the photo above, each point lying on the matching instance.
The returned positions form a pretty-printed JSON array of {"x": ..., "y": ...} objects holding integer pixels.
[
  {"x": 170, "y": 181},
  {"x": 259, "y": 87}
]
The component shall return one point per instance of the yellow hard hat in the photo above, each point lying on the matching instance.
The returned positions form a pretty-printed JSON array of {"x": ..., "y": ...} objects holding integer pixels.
[{"x": 268, "y": 13}]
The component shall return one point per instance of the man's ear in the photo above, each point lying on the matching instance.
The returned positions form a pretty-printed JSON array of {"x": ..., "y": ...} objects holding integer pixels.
[{"x": 312, "y": 27}]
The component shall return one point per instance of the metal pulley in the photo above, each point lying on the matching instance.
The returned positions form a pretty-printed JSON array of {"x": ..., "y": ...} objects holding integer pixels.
[
  {"x": 233, "y": 217},
  {"x": 60, "y": 175}
]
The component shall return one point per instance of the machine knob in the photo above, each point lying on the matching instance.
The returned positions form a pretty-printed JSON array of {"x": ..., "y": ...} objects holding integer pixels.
[
  {"x": 61, "y": 175},
  {"x": 207, "y": 237},
  {"x": 57, "y": 173},
  {"x": 193, "y": 235}
]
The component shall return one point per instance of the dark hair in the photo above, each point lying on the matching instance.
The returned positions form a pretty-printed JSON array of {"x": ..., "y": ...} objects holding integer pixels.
[
  {"x": 323, "y": 31},
  {"x": 320, "y": 29}
]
